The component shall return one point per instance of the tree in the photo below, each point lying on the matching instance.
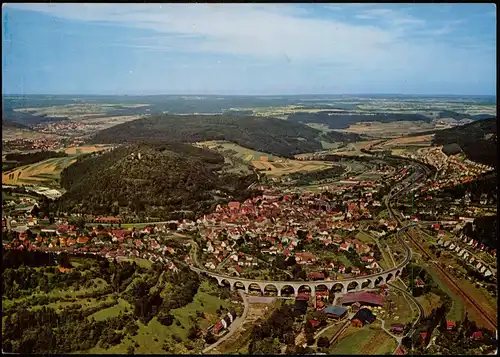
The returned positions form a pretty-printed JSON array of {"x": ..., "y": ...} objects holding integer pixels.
[
  {"x": 264, "y": 347},
  {"x": 323, "y": 342},
  {"x": 130, "y": 350},
  {"x": 291, "y": 261}
]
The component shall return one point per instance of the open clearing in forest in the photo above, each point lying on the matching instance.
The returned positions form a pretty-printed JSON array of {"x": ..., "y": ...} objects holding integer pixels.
[
  {"x": 271, "y": 165},
  {"x": 77, "y": 150}
]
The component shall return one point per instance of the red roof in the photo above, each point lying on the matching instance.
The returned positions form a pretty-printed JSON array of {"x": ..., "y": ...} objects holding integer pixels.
[
  {"x": 365, "y": 297},
  {"x": 287, "y": 252},
  {"x": 400, "y": 351},
  {"x": 316, "y": 275},
  {"x": 423, "y": 336},
  {"x": 477, "y": 335},
  {"x": 314, "y": 323},
  {"x": 233, "y": 205},
  {"x": 82, "y": 240},
  {"x": 450, "y": 324}
]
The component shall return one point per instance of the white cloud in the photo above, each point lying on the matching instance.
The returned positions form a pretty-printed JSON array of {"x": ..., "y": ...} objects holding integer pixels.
[{"x": 276, "y": 31}]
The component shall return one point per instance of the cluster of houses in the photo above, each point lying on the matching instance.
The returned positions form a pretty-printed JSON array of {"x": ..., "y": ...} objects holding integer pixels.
[
  {"x": 274, "y": 221},
  {"x": 224, "y": 323},
  {"x": 110, "y": 243}
]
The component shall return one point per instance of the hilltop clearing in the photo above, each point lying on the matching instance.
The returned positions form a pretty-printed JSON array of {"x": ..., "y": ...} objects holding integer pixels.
[
  {"x": 274, "y": 136},
  {"x": 158, "y": 180}
]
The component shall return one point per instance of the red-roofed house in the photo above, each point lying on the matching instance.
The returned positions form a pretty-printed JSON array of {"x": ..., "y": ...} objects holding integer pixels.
[
  {"x": 316, "y": 276},
  {"x": 305, "y": 258},
  {"x": 314, "y": 323},
  {"x": 233, "y": 205},
  {"x": 423, "y": 336},
  {"x": 82, "y": 240},
  {"x": 450, "y": 325},
  {"x": 400, "y": 351},
  {"x": 478, "y": 335}
]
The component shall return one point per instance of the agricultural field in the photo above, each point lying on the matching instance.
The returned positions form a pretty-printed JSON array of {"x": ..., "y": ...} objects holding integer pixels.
[
  {"x": 364, "y": 341},
  {"x": 41, "y": 173},
  {"x": 393, "y": 129},
  {"x": 78, "y": 111},
  {"x": 86, "y": 149},
  {"x": 47, "y": 172},
  {"x": 271, "y": 165},
  {"x": 353, "y": 149}
]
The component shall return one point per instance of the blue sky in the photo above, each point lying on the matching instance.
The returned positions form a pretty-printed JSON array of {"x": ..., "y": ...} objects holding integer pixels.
[{"x": 249, "y": 48}]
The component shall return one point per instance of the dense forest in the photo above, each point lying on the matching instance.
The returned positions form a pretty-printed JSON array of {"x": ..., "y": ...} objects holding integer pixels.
[
  {"x": 478, "y": 140},
  {"x": 342, "y": 121},
  {"x": 485, "y": 184},
  {"x": 274, "y": 136},
  {"x": 17, "y": 159},
  {"x": 167, "y": 181}
]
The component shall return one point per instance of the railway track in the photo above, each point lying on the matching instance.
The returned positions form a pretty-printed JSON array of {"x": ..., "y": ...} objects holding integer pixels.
[{"x": 450, "y": 280}]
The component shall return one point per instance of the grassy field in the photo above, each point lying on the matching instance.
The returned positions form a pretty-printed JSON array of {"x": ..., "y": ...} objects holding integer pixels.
[
  {"x": 113, "y": 311},
  {"x": 152, "y": 336},
  {"x": 364, "y": 237},
  {"x": 402, "y": 311},
  {"x": 457, "y": 309},
  {"x": 364, "y": 341},
  {"x": 429, "y": 301}
]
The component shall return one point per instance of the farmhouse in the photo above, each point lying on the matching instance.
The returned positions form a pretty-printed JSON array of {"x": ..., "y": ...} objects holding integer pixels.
[
  {"x": 335, "y": 312},
  {"x": 363, "y": 317}
]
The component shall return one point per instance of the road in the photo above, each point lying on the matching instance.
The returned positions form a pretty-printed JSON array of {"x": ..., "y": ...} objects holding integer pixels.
[
  {"x": 234, "y": 326},
  {"x": 445, "y": 277}
]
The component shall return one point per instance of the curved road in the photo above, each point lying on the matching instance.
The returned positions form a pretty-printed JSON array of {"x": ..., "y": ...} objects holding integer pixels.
[{"x": 233, "y": 327}]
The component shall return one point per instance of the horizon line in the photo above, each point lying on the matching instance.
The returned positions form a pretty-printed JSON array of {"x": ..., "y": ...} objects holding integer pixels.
[{"x": 246, "y": 95}]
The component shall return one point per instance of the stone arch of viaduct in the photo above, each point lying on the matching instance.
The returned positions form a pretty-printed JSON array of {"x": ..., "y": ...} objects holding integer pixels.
[{"x": 356, "y": 284}]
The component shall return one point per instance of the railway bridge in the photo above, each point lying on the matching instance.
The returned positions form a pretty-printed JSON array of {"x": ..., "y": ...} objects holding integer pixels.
[{"x": 345, "y": 285}]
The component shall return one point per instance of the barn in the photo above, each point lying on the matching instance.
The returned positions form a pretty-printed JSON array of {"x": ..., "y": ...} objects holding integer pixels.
[
  {"x": 365, "y": 298},
  {"x": 335, "y": 312}
]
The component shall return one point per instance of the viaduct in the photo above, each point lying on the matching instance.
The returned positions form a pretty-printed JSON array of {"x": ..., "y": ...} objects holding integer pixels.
[{"x": 356, "y": 283}]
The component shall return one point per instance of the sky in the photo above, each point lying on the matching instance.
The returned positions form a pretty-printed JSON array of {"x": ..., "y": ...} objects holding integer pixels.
[{"x": 249, "y": 49}]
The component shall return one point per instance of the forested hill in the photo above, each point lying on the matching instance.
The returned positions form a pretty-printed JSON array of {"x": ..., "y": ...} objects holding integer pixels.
[
  {"x": 8, "y": 124},
  {"x": 154, "y": 180},
  {"x": 478, "y": 140},
  {"x": 274, "y": 136}
]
